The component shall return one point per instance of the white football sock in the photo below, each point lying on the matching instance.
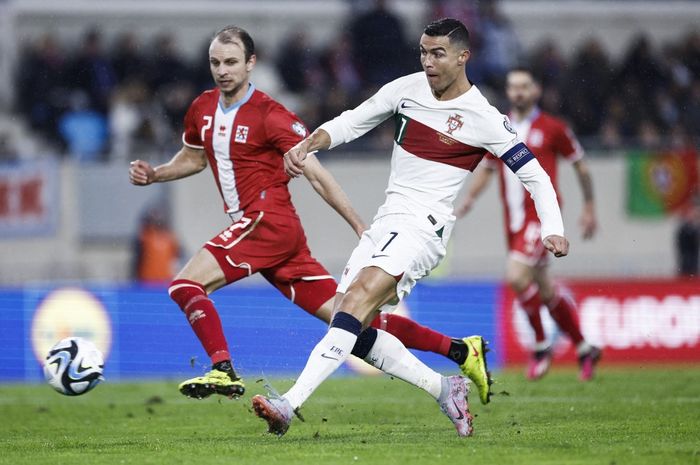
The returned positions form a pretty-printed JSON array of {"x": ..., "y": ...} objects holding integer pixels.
[
  {"x": 583, "y": 348},
  {"x": 326, "y": 357},
  {"x": 393, "y": 358},
  {"x": 540, "y": 346}
]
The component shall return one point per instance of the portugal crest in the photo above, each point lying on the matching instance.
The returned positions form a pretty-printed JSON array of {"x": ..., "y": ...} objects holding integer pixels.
[
  {"x": 454, "y": 122},
  {"x": 299, "y": 129}
]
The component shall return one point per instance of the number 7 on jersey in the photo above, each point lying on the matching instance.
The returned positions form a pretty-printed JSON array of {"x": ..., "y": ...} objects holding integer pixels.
[{"x": 393, "y": 236}]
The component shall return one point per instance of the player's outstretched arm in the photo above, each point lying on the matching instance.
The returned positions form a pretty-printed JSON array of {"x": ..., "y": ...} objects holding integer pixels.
[
  {"x": 328, "y": 188},
  {"x": 588, "y": 221},
  {"x": 345, "y": 127},
  {"x": 536, "y": 180},
  {"x": 480, "y": 179},
  {"x": 186, "y": 162},
  {"x": 294, "y": 157}
]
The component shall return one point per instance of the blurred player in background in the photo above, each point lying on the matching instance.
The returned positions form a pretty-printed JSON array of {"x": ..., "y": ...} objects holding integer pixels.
[
  {"x": 444, "y": 127},
  {"x": 242, "y": 133},
  {"x": 527, "y": 273}
]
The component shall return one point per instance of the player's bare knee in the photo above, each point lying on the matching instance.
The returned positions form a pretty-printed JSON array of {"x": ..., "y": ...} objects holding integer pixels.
[
  {"x": 546, "y": 292},
  {"x": 359, "y": 301},
  {"x": 518, "y": 281},
  {"x": 545, "y": 284},
  {"x": 355, "y": 299}
]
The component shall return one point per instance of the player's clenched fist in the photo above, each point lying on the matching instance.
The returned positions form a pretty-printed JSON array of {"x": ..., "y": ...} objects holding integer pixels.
[
  {"x": 141, "y": 173},
  {"x": 558, "y": 245},
  {"x": 294, "y": 158}
]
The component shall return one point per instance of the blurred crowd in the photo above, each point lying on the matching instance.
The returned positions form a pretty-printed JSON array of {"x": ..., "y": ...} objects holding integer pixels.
[{"x": 104, "y": 99}]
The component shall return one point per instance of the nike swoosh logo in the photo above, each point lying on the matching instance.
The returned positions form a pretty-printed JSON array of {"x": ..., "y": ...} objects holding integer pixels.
[
  {"x": 329, "y": 357},
  {"x": 476, "y": 352},
  {"x": 379, "y": 255},
  {"x": 403, "y": 105},
  {"x": 461, "y": 415}
]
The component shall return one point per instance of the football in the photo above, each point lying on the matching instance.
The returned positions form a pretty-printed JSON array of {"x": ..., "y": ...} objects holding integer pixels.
[{"x": 73, "y": 366}]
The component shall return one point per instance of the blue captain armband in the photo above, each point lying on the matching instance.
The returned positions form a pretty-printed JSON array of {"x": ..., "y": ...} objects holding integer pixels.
[{"x": 517, "y": 156}]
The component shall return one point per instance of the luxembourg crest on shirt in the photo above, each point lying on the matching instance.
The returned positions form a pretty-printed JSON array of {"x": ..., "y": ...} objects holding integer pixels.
[
  {"x": 454, "y": 122},
  {"x": 241, "y": 134}
]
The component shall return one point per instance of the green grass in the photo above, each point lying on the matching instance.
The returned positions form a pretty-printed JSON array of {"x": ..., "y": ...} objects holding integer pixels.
[{"x": 627, "y": 416}]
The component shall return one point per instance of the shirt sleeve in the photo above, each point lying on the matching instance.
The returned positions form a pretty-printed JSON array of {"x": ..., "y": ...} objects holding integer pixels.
[
  {"x": 284, "y": 129},
  {"x": 501, "y": 140},
  {"x": 354, "y": 123},
  {"x": 192, "y": 136},
  {"x": 567, "y": 145},
  {"x": 496, "y": 133},
  {"x": 537, "y": 183}
]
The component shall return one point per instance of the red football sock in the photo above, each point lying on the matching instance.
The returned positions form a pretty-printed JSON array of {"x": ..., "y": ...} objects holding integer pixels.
[
  {"x": 203, "y": 317},
  {"x": 530, "y": 301},
  {"x": 563, "y": 311},
  {"x": 413, "y": 335}
]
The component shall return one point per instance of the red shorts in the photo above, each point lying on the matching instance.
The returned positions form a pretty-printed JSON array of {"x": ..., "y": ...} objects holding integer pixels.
[
  {"x": 275, "y": 246},
  {"x": 525, "y": 245}
]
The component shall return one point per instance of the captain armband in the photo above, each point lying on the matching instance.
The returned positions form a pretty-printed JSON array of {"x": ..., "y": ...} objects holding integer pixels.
[{"x": 517, "y": 157}]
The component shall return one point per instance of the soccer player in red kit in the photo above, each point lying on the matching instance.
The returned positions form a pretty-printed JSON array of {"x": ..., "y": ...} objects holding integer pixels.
[
  {"x": 242, "y": 134},
  {"x": 527, "y": 274}
]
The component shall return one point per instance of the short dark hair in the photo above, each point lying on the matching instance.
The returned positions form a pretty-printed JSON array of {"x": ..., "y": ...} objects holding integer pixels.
[
  {"x": 452, "y": 28},
  {"x": 523, "y": 69},
  {"x": 229, "y": 34}
]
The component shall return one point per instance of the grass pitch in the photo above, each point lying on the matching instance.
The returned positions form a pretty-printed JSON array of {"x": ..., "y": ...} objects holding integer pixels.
[{"x": 627, "y": 416}]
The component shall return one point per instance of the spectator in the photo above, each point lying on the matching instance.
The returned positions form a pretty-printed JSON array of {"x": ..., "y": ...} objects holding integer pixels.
[
  {"x": 41, "y": 86},
  {"x": 296, "y": 62},
  {"x": 691, "y": 110},
  {"x": 691, "y": 53},
  {"x": 589, "y": 82},
  {"x": 172, "y": 82},
  {"x": 641, "y": 64},
  {"x": 344, "y": 84},
  {"x": 84, "y": 130},
  {"x": 130, "y": 64},
  {"x": 500, "y": 47},
  {"x": 133, "y": 121},
  {"x": 379, "y": 43},
  {"x": 166, "y": 64},
  {"x": 646, "y": 96},
  {"x": 688, "y": 241},
  {"x": 610, "y": 137},
  {"x": 156, "y": 249},
  {"x": 92, "y": 74},
  {"x": 548, "y": 64},
  {"x": 648, "y": 135}
]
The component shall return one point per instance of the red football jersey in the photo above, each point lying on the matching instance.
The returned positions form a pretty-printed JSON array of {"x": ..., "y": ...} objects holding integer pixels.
[
  {"x": 548, "y": 138},
  {"x": 244, "y": 145}
]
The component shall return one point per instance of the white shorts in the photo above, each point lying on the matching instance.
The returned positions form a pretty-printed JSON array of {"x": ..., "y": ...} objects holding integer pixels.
[{"x": 406, "y": 246}]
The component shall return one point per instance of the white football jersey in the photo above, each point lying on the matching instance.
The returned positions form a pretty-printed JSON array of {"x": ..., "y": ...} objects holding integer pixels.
[{"x": 436, "y": 144}]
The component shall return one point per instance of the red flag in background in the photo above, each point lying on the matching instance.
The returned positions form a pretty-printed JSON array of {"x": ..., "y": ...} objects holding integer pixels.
[{"x": 660, "y": 182}]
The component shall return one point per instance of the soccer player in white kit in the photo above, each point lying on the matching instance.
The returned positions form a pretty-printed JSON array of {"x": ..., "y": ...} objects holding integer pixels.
[{"x": 444, "y": 126}]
